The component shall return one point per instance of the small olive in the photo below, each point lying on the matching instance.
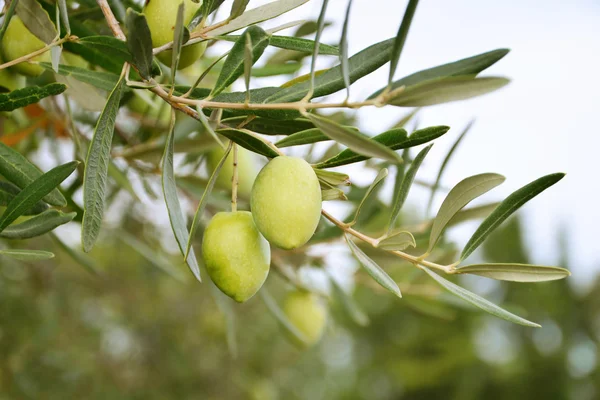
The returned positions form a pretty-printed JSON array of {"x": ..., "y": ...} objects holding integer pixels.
[
  {"x": 307, "y": 313},
  {"x": 17, "y": 42},
  {"x": 286, "y": 202},
  {"x": 161, "y": 16},
  {"x": 236, "y": 255}
]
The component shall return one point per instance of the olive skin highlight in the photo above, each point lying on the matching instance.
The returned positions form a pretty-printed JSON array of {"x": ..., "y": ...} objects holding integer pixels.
[
  {"x": 161, "y": 16},
  {"x": 236, "y": 255},
  {"x": 286, "y": 202},
  {"x": 17, "y": 42}
]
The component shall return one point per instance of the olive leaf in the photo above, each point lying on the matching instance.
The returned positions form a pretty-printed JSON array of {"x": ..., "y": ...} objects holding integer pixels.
[
  {"x": 256, "y": 15},
  {"x": 96, "y": 169},
  {"x": 467, "y": 66},
  {"x": 308, "y": 136},
  {"x": 395, "y": 139},
  {"x": 404, "y": 188},
  {"x": 233, "y": 67},
  {"x": 401, "y": 37},
  {"x": 139, "y": 42},
  {"x": 20, "y": 171},
  {"x": 293, "y": 43},
  {"x": 345, "y": 69},
  {"x": 462, "y": 194},
  {"x": 35, "y": 191},
  {"x": 515, "y": 272},
  {"x": 445, "y": 162},
  {"x": 28, "y": 95},
  {"x": 511, "y": 204},
  {"x": 64, "y": 15},
  {"x": 27, "y": 255},
  {"x": 446, "y": 90},
  {"x": 237, "y": 8},
  {"x": 8, "y": 191},
  {"x": 381, "y": 175},
  {"x": 376, "y": 272},
  {"x": 37, "y": 20},
  {"x": 37, "y": 225},
  {"x": 177, "y": 40},
  {"x": 479, "y": 301},
  {"x": 102, "y": 80},
  {"x": 332, "y": 178},
  {"x": 397, "y": 241},
  {"x": 176, "y": 216},
  {"x": 249, "y": 141},
  {"x": 354, "y": 140}
]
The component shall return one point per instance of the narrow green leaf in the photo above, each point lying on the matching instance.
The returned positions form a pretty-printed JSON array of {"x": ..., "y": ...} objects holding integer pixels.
[
  {"x": 27, "y": 255},
  {"x": 332, "y": 178},
  {"x": 395, "y": 139},
  {"x": 348, "y": 304},
  {"x": 438, "y": 179},
  {"x": 515, "y": 272},
  {"x": 177, "y": 40},
  {"x": 55, "y": 53},
  {"x": 64, "y": 15},
  {"x": 268, "y": 126},
  {"x": 102, "y": 80},
  {"x": 37, "y": 20},
  {"x": 207, "y": 8},
  {"x": 233, "y": 67},
  {"x": 35, "y": 191},
  {"x": 259, "y": 14},
  {"x": 473, "y": 213},
  {"x": 21, "y": 172},
  {"x": 96, "y": 169},
  {"x": 139, "y": 42},
  {"x": 345, "y": 69},
  {"x": 401, "y": 37},
  {"x": 28, "y": 95},
  {"x": 407, "y": 181},
  {"x": 397, "y": 241},
  {"x": 381, "y": 175},
  {"x": 376, "y": 272},
  {"x": 461, "y": 195},
  {"x": 446, "y": 90},
  {"x": 176, "y": 215},
  {"x": 293, "y": 43},
  {"x": 359, "y": 65},
  {"x": 10, "y": 11},
  {"x": 248, "y": 62},
  {"x": 37, "y": 225},
  {"x": 204, "y": 199},
  {"x": 276, "y": 69},
  {"x": 511, "y": 204},
  {"x": 478, "y": 301},
  {"x": 237, "y": 8},
  {"x": 355, "y": 141},
  {"x": 467, "y": 66},
  {"x": 280, "y": 316},
  {"x": 308, "y": 136},
  {"x": 8, "y": 191},
  {"x": 331, "y": 194},
  {"x": 249, "y": 141}
]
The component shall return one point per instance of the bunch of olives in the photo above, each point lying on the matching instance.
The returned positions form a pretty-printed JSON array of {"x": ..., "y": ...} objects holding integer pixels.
[{"x": 285, "y": 200}]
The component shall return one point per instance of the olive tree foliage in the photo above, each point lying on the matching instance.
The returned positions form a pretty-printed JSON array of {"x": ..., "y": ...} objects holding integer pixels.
[{"x": 88, "y": 51}]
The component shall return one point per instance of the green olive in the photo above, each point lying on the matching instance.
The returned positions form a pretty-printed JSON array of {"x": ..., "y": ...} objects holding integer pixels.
[
  {"x": 246, "y": 166},
  {"x": 236, "y": 255},
  {"x": 307, "y": 313},
  {"x": 17, "y": 42},
  {"x": 286, "y": 202},
  {"x": 161, "y": 16},
  {"x": 155, "y": 108}
]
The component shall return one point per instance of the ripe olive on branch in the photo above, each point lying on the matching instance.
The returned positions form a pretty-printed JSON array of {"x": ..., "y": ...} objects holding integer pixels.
[
  {"x": 286, "y": 202},
  {"x": 236, "y": 255},
  {"x": 161, "y": 16}
]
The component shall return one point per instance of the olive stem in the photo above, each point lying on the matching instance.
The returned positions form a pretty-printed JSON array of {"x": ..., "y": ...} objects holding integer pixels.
[
  {"x": 111, "y": 19},
  {"x": 449, "y": 269},
  {"x": 234, "y": 179},
  {"x": 36, "y": 53}
]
